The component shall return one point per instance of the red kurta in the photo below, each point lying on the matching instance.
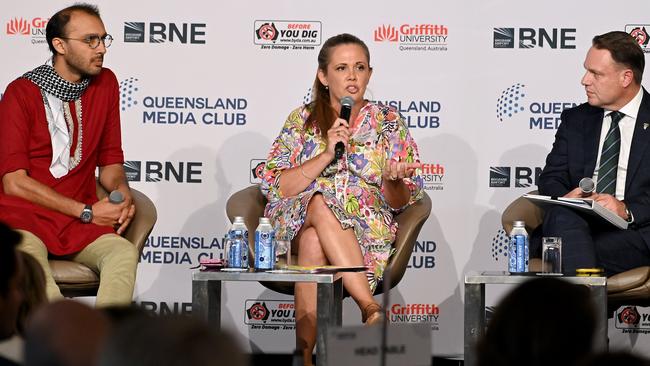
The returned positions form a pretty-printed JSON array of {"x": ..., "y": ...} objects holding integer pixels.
[{"x": 25, "y": 144}]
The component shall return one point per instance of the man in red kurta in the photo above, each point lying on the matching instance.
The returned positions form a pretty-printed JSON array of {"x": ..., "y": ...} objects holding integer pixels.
[{"x": 59, "y": 123}]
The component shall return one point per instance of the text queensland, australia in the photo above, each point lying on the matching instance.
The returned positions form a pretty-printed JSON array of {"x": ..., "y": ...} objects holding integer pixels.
[{"x": 181, "y": 110}]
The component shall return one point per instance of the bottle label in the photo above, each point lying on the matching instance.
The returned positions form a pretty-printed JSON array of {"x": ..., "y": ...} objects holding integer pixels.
[
  {"x": 264, "y": 249},
  {"x": 518, "y": 254}
]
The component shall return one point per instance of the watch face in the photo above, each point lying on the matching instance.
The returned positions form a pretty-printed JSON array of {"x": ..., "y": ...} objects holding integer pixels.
[{"x": 86, "y": 215}]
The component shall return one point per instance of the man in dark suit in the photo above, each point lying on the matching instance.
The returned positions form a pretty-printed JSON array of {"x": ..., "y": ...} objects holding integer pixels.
[{"x": 605, "y": 139}]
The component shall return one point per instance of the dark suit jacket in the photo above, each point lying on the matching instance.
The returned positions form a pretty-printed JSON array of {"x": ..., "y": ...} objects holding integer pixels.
[{"x": 575, "y": 151}]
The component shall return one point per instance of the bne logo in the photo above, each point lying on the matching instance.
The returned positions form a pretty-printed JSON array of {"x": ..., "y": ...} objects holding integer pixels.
[
  {"x": 562, "y": 38},
  {"x": 157, "y": 171},
  {"x": 193, "y": 33},
  {"x": 500, "y": 176}
]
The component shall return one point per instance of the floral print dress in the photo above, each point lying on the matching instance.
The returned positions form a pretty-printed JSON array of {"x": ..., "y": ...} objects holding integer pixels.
[{"x": 351, "y": 186}]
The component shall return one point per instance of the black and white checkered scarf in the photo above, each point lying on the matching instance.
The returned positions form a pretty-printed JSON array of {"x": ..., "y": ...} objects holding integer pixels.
[{"x": 46, "y": 78}]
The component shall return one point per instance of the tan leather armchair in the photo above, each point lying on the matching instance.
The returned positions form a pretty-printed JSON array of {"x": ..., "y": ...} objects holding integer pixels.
[
  {"x": 628, "y": 288},
  {"x": 249, "y": 203},
  {"x": 75, "y": 279}
]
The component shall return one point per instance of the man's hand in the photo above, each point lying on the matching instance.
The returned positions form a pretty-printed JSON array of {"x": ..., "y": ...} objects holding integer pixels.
[
  {"x": 611, "y": 203},
  {"x": 577, "y": 193},
  {"x": 114, "y": 214},
  {"x": 127, "y": 212}
]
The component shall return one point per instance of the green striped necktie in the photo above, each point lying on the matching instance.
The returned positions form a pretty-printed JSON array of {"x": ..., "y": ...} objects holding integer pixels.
[{"x": 609, "y": 157}]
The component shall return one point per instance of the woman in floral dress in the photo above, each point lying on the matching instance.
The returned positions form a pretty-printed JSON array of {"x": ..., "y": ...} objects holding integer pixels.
[{"x": 340, "y": 211}]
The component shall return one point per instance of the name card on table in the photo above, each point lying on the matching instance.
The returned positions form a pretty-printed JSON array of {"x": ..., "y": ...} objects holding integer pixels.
[{"x": 406, "y": 344}]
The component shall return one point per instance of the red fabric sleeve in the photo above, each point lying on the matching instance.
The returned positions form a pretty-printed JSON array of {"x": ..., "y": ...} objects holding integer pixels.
[
  {"x": 15, "y": 125},
  {"x": 110, "y": 150}
]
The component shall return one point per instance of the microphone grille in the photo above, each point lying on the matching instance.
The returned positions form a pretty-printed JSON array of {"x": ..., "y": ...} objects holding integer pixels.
[
  {"x": 347, "y": 101},
  {"x": 587, "y": 185},
  {"x": 116, "y": 197}
]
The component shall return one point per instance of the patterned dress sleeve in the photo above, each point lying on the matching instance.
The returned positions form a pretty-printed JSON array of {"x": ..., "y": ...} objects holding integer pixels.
[
  {"x": 400, "y": 146},
  {"x": 285, "y": 153}
]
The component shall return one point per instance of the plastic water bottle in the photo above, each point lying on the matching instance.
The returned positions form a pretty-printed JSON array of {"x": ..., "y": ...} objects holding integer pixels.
[
  {"x": 238, "y": 244},
  {"x": 518, "y": 248},
  {"x": 264, "y": 245}
]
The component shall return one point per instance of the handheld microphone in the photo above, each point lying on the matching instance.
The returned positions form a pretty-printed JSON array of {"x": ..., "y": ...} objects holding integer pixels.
[
  {"x": 346, "y": 109},
  {"x": 587, "y": 186},
  {"x": 116, "y": 197}
]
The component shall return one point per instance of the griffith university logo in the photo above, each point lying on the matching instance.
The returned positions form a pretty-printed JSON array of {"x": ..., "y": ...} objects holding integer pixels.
[
  {"x": 34, "y": 27},
  {"x": 414, "y": 37},
  {"x": 128, "y": 90},
  {"x": 640, "y": 33},
  {"x": 386, "y": 33},
  {"x": 511, "y": 101},
  {"x": 19, "y": 26}
]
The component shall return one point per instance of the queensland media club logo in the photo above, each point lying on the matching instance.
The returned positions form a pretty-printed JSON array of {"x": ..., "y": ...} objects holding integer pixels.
[
  {"x": 415, "y": 313},
  {"x": 423, "y": 255},
  {"x": 34, "y": 27},
  {"x": 499, "y": 246},
  {"x": 524, "y": 177},
  {"x": 433, "y": 175},
  {"x": 513, "y": 103},
  {"x": 269, "y": 314},
  {"x": 164, "y": 171},
  {"x": 553, "y": 38},
  {"x": 257, "y": 170},
  {"x": 158, "y": 32},
  {"x": 182, "y": 110},
  {"x": 414, "y": 37},
  {"x": 287, "y": 34},
  {"x": 128, "y": 90},
  {"x": 640, "y": 33}
]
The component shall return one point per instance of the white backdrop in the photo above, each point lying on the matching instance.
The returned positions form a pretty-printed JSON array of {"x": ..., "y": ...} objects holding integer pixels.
[{"x": 453, "y": 68}]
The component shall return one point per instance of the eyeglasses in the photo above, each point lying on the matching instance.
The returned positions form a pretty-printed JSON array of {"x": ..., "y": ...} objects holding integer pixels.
[{"x": 94, "y": 40}]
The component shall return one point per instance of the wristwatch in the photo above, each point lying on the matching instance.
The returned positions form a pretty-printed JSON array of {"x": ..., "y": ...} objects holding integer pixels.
[
  {"x": 87, "y": 214},
  {"x": 630, "y": 218}
]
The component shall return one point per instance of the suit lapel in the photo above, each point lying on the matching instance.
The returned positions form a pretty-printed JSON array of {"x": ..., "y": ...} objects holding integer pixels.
[
  {"x": 640, "y": 139},
  {"x": 591, "y": 125}
]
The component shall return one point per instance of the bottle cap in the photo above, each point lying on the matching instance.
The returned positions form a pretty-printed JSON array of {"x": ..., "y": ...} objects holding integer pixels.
[
  {"x": 265, "y": 220},
  {"x": 519, "y": 223},
  {"x": 238, "y": 219}
]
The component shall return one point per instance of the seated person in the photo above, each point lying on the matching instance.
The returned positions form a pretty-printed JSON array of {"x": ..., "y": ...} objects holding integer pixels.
[
  {"x": 11, "y": 296},
  {"x": 529, "y": 326},
  {"x": 59, "y": 123},
  {"x": 340, "y": 211},
  {"x": 605, "y": 139}
]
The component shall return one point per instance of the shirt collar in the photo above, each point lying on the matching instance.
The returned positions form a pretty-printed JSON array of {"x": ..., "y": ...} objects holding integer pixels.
[{"x": 631, "y": 109}]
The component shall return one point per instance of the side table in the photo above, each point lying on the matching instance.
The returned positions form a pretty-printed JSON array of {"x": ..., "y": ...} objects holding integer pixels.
[
  {"x": 475, "y": 305},
  {"x": 206, "y": 298}
]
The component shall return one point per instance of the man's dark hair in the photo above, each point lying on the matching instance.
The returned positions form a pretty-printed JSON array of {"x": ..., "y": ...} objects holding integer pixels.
[
  {"x": 9, "y": 239},
  {"x": 624, "y": 49},
  {"x": 56, "y": 25}
]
